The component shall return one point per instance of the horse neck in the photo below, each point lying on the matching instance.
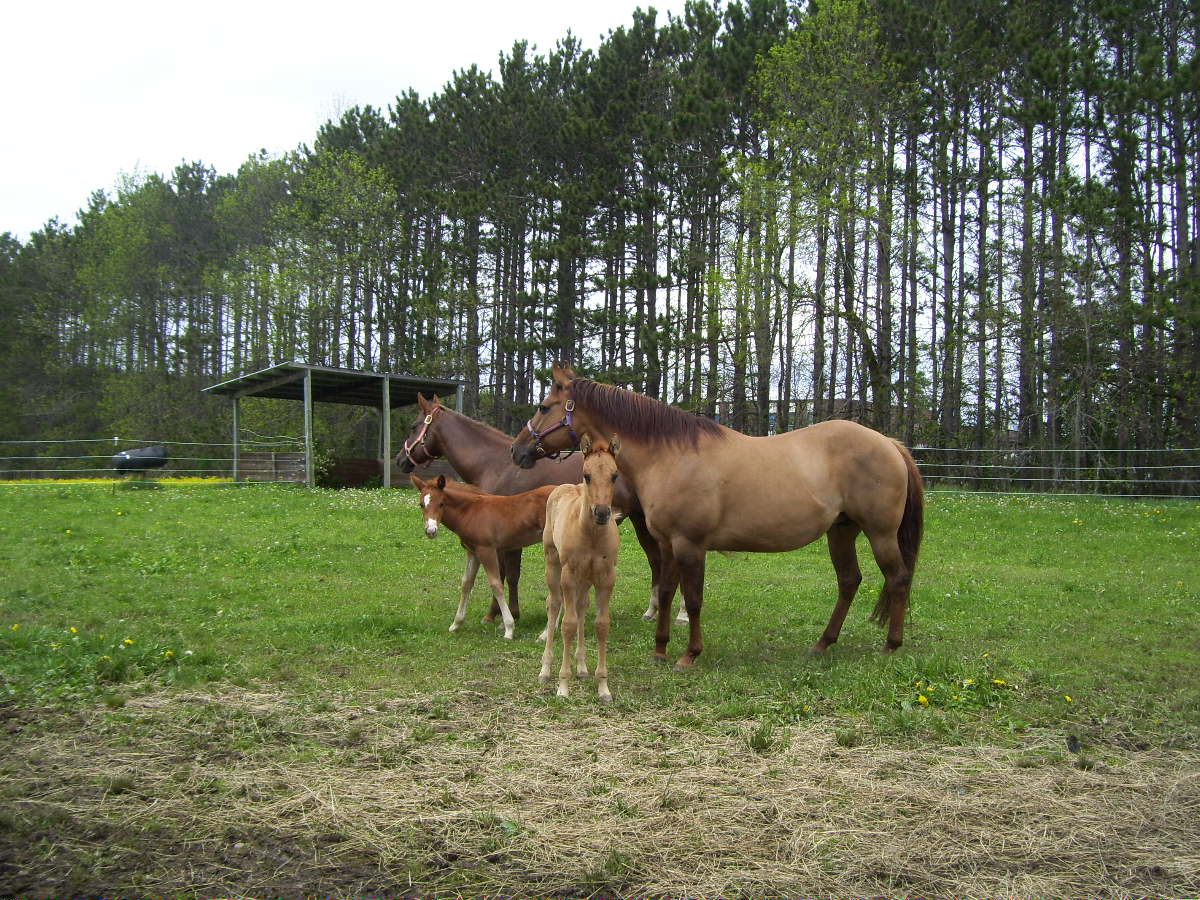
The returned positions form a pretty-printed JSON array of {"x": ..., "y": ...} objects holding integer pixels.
[{"x": 474, "y": 449}]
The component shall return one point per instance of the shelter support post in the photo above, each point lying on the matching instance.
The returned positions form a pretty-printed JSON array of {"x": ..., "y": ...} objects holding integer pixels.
[
  {"x": 309, "y": 471},
  {"x": 385, "y": 428},
  {"x": 458, "y": 399}
]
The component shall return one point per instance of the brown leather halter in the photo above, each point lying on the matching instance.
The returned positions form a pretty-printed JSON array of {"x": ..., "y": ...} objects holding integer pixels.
[{"x": 419, "y": 441}]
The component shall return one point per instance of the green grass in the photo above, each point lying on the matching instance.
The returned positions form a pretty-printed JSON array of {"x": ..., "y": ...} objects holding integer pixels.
[{"x": 1029, "y": 613}]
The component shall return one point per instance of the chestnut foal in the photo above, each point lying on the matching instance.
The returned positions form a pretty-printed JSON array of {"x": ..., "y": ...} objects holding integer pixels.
[
  {"x": 488, "y": 526},
  {"x": 581, "y": 542}
]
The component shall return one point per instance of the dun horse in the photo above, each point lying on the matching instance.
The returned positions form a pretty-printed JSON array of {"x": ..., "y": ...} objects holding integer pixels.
[
  {"x": 581, "y": 542},
  {"x": 480, "y": 455},
  {"x": 705, "y": 487},
  {"x": 488, "y": 526}
]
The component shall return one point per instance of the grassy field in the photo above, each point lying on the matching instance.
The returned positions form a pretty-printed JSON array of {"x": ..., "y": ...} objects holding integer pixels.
[{"x": 252, "y": 690}]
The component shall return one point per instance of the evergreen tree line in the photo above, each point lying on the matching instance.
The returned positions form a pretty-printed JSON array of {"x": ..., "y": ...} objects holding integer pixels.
[{"x": 968, "y": 224}]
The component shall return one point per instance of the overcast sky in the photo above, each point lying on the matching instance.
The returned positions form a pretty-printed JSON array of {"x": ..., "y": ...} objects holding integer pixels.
[{"x": 97, "y": 89}]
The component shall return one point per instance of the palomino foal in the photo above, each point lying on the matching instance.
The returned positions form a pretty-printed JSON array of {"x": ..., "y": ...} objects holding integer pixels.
[
  {"x": 581, "y": 541},
  {"x": 488, "y": 525}
]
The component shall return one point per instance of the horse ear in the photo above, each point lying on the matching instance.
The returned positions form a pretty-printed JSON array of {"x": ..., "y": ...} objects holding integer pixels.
[
  {"x": 437, "y": 401},
  {"x": 614, "y": 446},
  {"x": 441, "y": 482},
  {"x": 562, "y": 372},
  {"x": 422, "y": 402},
  {"x": 417, "y": 482},
  {"x": 585, "y": 444}
]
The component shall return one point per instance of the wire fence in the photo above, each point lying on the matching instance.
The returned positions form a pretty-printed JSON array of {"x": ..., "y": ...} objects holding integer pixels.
[
  {"x": 1161, "y": 473},
  {"x": 34, "y": 462},
  {"x": 1151, "y": 473}
]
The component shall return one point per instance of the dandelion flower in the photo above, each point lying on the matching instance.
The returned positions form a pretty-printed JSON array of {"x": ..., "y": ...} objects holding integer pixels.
[
  {"x": 1067, "y": 697},
  {"x": 169, "y": 654},
  {"x": 128, "y": 642},
  {"x": 999, "y": 681},
  {"x": 923, "y": 700},
  {"x": 16, "y": 626},
  {"x": 74, "y": 630}
]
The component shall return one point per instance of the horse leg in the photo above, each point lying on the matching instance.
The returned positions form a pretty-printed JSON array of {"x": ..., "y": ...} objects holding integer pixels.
[
  {"x": 603, "y": 594},
  {"x": 654, "y": 557},
  {"x": 554, "y": 602},
  {"x": 668, "y": 581},
  {"x": 849, "y": 576},
  {"x": 468, "y": 582},
  {"x": 581, "y": 603},
  {"x": 570, "y": 631},
  {"x": 512, "y": 575},
  {"x": 689, "y": 561},
  {"x": 491, "y": 564},
  {"x": 897, "y": 582}
]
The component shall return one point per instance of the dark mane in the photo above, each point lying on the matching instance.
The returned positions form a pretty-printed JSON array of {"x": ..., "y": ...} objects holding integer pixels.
[{"x": 640, "y": 417}]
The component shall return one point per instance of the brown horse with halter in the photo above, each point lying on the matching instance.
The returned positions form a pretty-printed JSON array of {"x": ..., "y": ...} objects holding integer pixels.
[
  {"x": 480, "y": 455},
  {"x": 706, "y": 487}
]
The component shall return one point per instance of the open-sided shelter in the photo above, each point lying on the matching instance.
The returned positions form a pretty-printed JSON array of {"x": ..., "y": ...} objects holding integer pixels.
[{"x": 324, "y": 384}]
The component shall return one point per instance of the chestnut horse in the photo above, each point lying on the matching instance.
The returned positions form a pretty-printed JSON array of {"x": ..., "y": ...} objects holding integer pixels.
[
  {"x": 480, "y": 455},
  {"x": 488, "y": 526},
  {"x": 581, "y": 543},
  {"x": 706, "y": 487}
]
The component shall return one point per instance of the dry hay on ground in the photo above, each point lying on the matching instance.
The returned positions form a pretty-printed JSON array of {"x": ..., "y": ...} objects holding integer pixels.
[{"x": 245, "y": 794}]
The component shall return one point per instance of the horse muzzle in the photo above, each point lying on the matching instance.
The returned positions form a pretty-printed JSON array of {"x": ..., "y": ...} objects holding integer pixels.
[
  {"x": 523, "y": 456},
  {"x": 405, "y": 464},
  {"x": 431, "y": 528},
  {"x": 601, "y": 514}
]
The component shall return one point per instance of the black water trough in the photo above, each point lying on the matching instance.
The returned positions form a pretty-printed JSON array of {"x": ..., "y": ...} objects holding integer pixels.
[{"x": 141, "y": 459}]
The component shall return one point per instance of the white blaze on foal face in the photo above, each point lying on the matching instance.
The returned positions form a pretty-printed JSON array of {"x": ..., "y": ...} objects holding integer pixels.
[{"x": 431, "y": 524}]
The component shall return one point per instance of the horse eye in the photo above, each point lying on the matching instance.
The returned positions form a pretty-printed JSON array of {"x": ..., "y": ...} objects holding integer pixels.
[
  {"x": 543, "y": 409},
  {"x": 614, "y": 477},
  {"x": 587, "y": 478}
]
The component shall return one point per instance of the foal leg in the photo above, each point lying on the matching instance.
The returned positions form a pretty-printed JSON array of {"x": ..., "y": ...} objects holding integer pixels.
[
  {"x": 468, "y": 582},
  {"x": 849, "y": 576},
  {"x": 897, "y": 582},
  {"x": 603, "y": 594},
  {"x": 554, "y": 602},
  {"x": 570, "y": 631},
  {"x": 491, "y": 564},
  {"x": 510, "y": 574}
]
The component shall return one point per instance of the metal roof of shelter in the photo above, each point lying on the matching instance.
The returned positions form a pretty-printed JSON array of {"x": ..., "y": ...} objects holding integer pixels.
[
  {"x": 329, "y": 385},
  {"x": 325, "y": 384}
]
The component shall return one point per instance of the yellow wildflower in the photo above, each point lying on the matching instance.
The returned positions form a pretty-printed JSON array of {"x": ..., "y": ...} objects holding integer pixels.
[
  {"x": 16, "y": 626},
  {"x": 923, "y": 700},
  {"x": 169, "y": 654},
  {"x": 1067, "y": 697},
  {"x": 128, "y": 642},
  {"x": 74, "y": 630},
  {"x": 999, "y": 681}
]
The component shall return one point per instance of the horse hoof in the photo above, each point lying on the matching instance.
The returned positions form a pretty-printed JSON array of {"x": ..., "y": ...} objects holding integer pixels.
[
  {"x": 544, "y": 678},
  {"x": 605, "y": 698},
  {"x": 816, "y": 650},
  {"x": 660, "y": 658},
  {"x": 487, "y": 620},
  {"x": 454, "y": 627},
  {"x": 684, "y": 664}
]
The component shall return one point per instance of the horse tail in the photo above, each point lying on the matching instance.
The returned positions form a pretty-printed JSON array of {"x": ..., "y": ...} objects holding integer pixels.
[{"x": 912, "y": 527}]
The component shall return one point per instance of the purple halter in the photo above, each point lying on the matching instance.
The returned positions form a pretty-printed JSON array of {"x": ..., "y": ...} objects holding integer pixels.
[{"x": 567, "y": 422}]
